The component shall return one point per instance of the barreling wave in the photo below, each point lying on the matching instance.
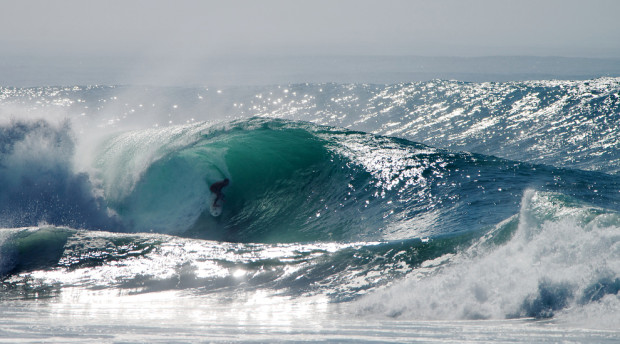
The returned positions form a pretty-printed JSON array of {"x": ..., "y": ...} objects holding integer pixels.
[
  {"x": 290, "y": 182},
  {"x": 296, "y": 182}
]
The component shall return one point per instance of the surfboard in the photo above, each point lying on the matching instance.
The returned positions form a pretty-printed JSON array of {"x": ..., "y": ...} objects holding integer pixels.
[{"x": 215, "y": 208}]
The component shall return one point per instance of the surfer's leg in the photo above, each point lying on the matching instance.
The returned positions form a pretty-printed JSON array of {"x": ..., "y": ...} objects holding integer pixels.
[{"x": 217, "y": 198}]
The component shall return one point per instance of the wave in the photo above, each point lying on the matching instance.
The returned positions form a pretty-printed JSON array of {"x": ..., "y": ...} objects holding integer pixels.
[
  {"x": 557, "y": 257},
  {"x": 290, "y": 182},
  {"x": 294, "y": 181},
  {"x": 570, "y": 124},
  {"x": 562, "y": 123}
]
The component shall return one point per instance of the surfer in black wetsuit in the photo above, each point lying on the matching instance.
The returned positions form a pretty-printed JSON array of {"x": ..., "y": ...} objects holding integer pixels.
[{"x": 216, "y": 188}]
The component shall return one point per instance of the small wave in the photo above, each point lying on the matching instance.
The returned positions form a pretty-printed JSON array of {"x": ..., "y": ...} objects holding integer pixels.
[
  {"x": 27, "y": 249},
  {"x": 38, "y": 261}
]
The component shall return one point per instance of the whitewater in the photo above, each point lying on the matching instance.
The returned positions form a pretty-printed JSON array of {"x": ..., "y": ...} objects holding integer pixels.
[{"x": 430, "y": 211}]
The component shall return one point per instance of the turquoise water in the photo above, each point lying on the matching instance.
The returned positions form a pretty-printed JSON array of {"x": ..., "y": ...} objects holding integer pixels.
[{"x": 428, "y": 211}]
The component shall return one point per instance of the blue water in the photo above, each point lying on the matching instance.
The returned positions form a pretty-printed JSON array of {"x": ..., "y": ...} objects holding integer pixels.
[{"x": 437, "y": 200}]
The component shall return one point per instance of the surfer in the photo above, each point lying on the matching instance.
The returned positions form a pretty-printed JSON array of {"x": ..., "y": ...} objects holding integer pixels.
[{"x": 216, "y": 188}]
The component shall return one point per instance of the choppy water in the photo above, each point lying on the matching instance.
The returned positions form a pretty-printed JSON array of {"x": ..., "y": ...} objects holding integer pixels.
[{"x": 491, "y": 203}]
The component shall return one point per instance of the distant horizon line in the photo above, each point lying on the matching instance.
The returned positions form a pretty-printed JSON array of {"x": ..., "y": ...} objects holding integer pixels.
[
  {"x": 277, "y": 69},
  {"x": 5, "y": 55}
]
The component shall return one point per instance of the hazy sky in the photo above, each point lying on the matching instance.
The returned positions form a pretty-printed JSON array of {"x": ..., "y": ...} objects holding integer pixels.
[{"x": 336, "y": 27}]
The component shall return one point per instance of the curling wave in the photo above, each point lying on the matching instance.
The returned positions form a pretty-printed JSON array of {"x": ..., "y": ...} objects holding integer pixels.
[
  {"x": 295, "y": 182},
  {"x": 290, "y": 182}
]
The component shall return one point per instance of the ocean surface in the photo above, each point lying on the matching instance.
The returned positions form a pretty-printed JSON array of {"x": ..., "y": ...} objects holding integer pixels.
[{"x": 437, "y": 211}]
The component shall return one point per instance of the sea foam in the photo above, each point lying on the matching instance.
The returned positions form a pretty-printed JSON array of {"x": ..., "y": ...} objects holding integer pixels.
[{"x": 560, "y": 258}]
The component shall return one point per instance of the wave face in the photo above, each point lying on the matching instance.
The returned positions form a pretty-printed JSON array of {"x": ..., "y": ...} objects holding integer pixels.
[{"x": 436, "y": 200}]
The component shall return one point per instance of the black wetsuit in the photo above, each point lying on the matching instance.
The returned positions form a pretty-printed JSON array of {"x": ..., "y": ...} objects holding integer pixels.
[{"x": 216, "y": 188}]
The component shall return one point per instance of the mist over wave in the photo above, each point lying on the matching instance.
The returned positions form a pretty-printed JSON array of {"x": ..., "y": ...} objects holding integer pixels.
[{"x": 37, "y": 181}]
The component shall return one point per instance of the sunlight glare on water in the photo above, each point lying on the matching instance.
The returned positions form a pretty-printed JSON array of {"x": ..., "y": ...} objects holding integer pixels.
[{"x": 104, "y": 316}]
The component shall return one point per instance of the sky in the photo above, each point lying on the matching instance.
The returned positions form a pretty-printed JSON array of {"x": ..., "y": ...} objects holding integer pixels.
[
  {"x": 189, "y": 41},
  {"x": 337, "y": 27}
]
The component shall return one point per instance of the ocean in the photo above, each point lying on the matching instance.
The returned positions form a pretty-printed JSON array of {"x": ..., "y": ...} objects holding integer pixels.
[{"x": 433, "y": 211}]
